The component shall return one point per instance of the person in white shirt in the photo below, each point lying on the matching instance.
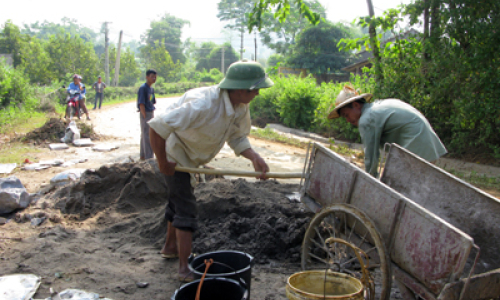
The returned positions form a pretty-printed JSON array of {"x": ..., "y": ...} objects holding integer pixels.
[{"x": 190, "y": 133}]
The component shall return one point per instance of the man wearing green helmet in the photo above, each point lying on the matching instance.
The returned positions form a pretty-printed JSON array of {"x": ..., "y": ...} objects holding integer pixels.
[{"x": 190, "y": 133}]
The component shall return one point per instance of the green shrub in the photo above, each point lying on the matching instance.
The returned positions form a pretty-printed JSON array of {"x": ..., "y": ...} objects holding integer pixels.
[{"x": 297, "y": 101}]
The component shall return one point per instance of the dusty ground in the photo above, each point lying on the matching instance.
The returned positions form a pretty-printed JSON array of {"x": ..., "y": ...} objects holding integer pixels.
[
  {"x": 104, "y": 236},
  {"x": 104, "y": 233}
]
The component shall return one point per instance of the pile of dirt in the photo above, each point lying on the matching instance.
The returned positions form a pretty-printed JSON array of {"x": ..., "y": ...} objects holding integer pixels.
[
  {"x": 129, "y": 200},
  {"x": 54, "y": 129}
]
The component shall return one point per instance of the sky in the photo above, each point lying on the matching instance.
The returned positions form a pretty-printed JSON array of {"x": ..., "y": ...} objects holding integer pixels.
[{"x": 134, "y": 19}]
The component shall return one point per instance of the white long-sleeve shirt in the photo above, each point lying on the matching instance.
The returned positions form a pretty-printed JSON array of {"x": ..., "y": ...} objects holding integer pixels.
[{"x": 199, "y": 123}]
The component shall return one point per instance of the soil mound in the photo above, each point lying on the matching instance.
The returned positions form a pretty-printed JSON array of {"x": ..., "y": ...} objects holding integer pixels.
[
  {"x": 54, "y": 129},
  {"x": 129, "y": 200}
]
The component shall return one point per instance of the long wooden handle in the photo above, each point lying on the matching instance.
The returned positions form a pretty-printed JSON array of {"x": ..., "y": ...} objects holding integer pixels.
[{"x": 237, "y": 173}]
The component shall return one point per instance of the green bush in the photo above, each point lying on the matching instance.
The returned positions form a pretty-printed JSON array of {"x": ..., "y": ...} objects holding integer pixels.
[
  {"x": 264, "y": 107},
  {"x": 17, "y": 101},
  {"x": 297, "y": 102}
]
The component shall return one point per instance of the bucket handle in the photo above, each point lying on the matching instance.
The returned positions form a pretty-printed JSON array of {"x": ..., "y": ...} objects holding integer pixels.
[
  {"x": 242, "y": 281},
  {"x": 208, "y": 263},
  {"x": 366, "y": 277}
]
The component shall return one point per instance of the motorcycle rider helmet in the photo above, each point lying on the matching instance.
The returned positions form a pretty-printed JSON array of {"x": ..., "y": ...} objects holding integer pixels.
[{"x": 245, "y": 75}]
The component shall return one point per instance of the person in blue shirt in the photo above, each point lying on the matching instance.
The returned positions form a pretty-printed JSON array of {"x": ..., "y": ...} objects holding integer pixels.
[
  {"x": 77, "y": 85},
  {"x": 146, "y": 106}
]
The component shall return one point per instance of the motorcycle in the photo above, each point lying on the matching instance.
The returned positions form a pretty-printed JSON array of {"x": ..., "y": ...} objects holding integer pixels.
[{"x": 72, "y": 101}]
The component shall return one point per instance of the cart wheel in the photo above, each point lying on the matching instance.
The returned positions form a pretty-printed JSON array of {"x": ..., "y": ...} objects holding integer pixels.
[{"x": 343, "y": 221}]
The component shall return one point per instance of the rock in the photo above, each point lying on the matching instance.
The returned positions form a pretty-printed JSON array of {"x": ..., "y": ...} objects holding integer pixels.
[
  {"x": 13, "y": 195},
  {"x": 58, "y": 146},
  {"x": 37, "y": 221},
  {"x": 142, "y": 285},
  {"x": 3, "y": 221},
  {"x": 67, "y": 176},
  {"x": 83, "y": 143},
  {"x": 7, "y": 168}
]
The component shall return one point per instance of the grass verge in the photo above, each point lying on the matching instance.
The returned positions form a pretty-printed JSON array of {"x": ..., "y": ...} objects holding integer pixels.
[
  {"x": 478, "y": 180},
  {"x": 17, "y": 152},
  {"x": 270, "y": 134}
]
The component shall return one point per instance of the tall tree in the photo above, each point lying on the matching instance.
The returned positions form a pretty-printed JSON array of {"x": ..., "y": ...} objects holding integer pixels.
[
  {"x": 236, "y": 13},
  {"x": 280, "y": 34},
  {"x": 316, "y": 48},
  {"x": 45, "y": 29},
  {"x": 11, "y": 41},
  {"x": 158, "y": 58},
  {"x": 167, "y": 32},
  {"x": 70, "y": 54}
]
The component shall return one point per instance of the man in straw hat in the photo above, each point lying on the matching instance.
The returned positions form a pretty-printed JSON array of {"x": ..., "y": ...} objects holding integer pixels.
[
  {"x": 387, "y": 121},
  {"x": 190, "y": 133}
]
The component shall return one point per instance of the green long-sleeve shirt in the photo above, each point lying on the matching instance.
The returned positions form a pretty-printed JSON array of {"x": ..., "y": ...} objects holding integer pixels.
[{"x": 394, "y": 121}]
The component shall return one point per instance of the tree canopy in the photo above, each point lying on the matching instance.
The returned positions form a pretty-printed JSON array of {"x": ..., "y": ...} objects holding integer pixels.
[
  {"x": 278, "y": 34},
  {"x": 167, "y": 32},
  {"x": 316, "y": 48}
]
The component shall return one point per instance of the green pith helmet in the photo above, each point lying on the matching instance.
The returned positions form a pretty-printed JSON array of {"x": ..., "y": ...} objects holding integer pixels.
[{"x": 245, "y": 75}]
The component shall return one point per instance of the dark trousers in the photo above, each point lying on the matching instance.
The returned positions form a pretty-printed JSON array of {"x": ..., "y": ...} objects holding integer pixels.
[
  {"x": 98, "y": 95},
  {"x": 146, "y": 151},
  {"x": 181, "y": 207}
]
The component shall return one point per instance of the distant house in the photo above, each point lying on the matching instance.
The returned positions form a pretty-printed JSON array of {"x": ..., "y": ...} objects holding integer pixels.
[
  {"x": 8, "y": 59},
  {"x": 362, "y": 59}
]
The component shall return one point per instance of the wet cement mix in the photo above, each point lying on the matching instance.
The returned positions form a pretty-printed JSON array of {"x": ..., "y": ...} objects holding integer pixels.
[{"x": 104, "y": 232}]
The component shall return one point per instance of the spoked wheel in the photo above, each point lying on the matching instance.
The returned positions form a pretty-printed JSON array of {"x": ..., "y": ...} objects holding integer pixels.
[{"x": 345, "y": 222}]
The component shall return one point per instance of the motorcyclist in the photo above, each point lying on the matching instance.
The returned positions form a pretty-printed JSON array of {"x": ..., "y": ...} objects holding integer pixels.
[{"x": 78, "y": 87}]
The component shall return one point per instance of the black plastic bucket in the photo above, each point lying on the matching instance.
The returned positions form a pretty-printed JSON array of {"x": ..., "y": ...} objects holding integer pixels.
[
  {"x": 227, "y": 264},
  {"x": 213, "y": 289}
]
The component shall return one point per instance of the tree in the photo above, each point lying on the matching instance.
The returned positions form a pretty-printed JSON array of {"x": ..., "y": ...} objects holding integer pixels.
[
  {"x": 280, "y": 35},
  {"x": 200, "y": 55},
  {"x": 129, "y": 69},
  {"x": 46, "y": 29},
  {"x": 236, "y": 13},
  {"x": 35, "y": 62},
  {"x": 283, "y": 12},
  {"x": 69, "y": 55},
  {"x": 316, "y": 48},
  {"x": 167, "y": 31},
  {"x": 214, "y": 59},
  {"x": 158, "y": 58},
  {"x": 11, "y": 41}
]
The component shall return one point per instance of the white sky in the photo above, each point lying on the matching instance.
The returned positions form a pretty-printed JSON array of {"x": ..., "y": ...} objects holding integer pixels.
[{"x": 135, "y": 18}]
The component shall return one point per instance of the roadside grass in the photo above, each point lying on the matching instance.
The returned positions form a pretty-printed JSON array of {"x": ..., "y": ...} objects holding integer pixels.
[
  {"x": 478, "y": 180},
  {"x": 24, "y": 123},
  {"x": 17, "y": 152},
  {"x": 270, "y": 134}
]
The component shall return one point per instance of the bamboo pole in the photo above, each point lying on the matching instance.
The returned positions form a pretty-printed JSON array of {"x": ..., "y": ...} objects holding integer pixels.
[{"x": 237, "y": 173}]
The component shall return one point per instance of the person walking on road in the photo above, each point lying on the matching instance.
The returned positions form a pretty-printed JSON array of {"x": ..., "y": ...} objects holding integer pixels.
[
  {"x": 190, "y": 133},
  {"x": 146, "y": 104},
  {"x": 99, "y": 87},
  {"x": 387, "y": 121}
]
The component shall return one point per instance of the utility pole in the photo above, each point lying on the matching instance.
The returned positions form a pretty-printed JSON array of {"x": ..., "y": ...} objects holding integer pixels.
[
  {"x": 241, "y": 49},
  {"x": 255, "y": 40},
  {"x": 106, "y": 50},
  {"x": 222, "y": 61},
  {"x": 117, "y": 64}
]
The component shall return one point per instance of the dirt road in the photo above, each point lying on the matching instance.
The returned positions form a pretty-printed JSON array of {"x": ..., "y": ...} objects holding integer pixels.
[
  {"x": 103, "y": 235},
  {"x": 119, "y": 125}
]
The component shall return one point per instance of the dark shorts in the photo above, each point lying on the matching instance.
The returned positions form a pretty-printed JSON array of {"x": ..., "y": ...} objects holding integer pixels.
[{"x": 181, "y": 207}]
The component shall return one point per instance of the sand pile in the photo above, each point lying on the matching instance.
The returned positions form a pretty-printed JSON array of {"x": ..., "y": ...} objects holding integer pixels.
[
  {"x": 129, "y": 199},
  {"x": 53, "y": 130}
]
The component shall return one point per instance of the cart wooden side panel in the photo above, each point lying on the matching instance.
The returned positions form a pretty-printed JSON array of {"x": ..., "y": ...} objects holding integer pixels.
[
  {"x": 423, "y": 246},
  {"x": 459, "y": 203}
]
